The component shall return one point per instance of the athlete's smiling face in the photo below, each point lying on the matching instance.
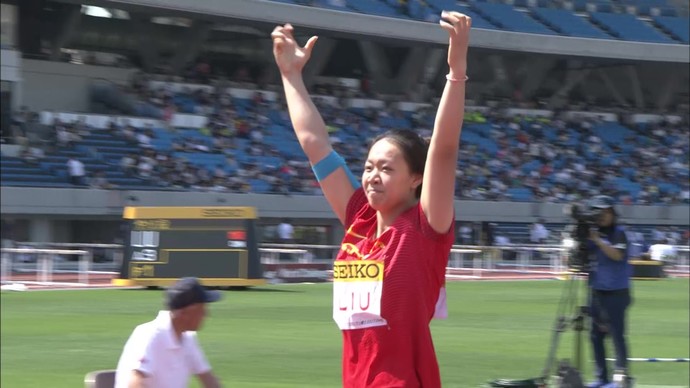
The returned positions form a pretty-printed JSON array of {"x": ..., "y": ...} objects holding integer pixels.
[{"x": 387, "y": 180}]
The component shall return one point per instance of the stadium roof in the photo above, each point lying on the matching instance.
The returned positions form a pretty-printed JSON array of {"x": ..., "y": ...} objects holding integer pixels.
[{"x": 337, "y": 22}]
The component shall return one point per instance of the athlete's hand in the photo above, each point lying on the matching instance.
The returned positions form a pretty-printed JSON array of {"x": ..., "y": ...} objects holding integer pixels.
[
  {"x": 289, "y": 56},
  {"x": 458, "y": 27}
]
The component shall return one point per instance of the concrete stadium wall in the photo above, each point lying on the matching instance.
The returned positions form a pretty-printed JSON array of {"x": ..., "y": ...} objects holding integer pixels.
[
  {"x": 63, "y": 86},
  {"x": 10, "y": 74},
  {"x": 50, "y": 210}
]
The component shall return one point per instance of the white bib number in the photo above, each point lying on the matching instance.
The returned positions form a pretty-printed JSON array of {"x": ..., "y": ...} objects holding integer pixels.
[{"x": 357, "y": 290}]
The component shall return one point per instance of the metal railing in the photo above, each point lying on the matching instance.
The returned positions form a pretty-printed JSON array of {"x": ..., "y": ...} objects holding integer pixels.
[
  {"x": 44, "y": 270},
  {"x": 44, "y": 263}
]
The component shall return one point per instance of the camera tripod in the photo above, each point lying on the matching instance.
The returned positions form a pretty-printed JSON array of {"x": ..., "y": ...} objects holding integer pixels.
[
  {"x": 569, "y": 314},
  {"x": 569, "y": 375}
]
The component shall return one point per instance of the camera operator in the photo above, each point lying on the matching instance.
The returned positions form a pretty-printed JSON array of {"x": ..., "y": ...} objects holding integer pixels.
[{"x": 609, "y": 280}]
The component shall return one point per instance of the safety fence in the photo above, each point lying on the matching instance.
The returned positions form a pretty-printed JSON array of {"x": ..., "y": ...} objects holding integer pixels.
[
  {"x": 42, "y": 271},
  {"x": 468, "y": 261},
  {"x": 61, "y": 264},
  {"x": 74, "y": 264}
]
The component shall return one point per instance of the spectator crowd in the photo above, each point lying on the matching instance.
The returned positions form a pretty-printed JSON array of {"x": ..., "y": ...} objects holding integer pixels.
[{"x": 557, "y": 159}]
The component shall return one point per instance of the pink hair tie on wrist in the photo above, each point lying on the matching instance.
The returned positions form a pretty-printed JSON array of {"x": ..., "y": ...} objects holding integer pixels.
[{"x": 451, "y": 79}]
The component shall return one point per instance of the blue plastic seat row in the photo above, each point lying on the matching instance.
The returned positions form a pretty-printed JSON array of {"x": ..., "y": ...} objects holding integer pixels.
[
  {"x": 677, "y": 27},
  {"x": 628, "y": 27},
  {"x": 568, "y": 23},
  {"x": 508, "y": 18}
]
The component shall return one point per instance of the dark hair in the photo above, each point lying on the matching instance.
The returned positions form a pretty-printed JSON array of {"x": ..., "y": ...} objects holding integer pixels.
[{"x": 413, "y": 147}]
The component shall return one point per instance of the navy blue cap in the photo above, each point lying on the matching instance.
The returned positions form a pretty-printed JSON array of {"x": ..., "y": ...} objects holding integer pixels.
[{"x": 188, "y": 291}]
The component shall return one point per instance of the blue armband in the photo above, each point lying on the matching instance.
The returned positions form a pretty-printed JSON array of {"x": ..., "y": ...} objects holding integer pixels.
[{"x": 330, "y": 163}]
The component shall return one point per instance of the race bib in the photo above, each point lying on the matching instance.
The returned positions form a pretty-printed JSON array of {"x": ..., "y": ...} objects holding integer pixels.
[{"x": 357, "y": 290}]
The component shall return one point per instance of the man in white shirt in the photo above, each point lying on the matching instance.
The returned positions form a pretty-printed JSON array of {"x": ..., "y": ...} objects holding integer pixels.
[
  {"x": 286, "y": 234},
  {"x": 538, "y": 232},
  {"x": 76, "y": 171},
  {"x": 663, "y": 252},
  {"x": 165, "y": 352},
  {"x": 286, "y": 231}
]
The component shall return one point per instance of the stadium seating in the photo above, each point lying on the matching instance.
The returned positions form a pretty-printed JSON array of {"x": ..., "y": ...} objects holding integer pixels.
[
  {"x": 98, "y": 152},
  {"x": 510, "y": 19},
  {"x": 380, "y": 8},
  {"x": 568, "y": 23},
  {"x": 16, "y": 172},
  {"x": 478, "y": 21},
  {"x": 602, "y": 19},
  {"x": 628, "y": 27},
  {"x": 678, "y": 28},
  {"x": 488, "y": 151}
]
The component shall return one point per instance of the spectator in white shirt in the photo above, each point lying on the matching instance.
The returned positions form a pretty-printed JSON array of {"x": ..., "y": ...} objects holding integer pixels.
[
  {"x": 129, "y": 163},
  {"x": 286, "y": 231},
  {"x": 501, "y": 241},
  {"x": 76, "y": 171},
  {"x": 145, "y": 168},
  {"x": 286, "y": 234},
  {"x": 144, "y": 140},
  {"x": 663, "y": 252},
  {"x": 538, "y": 232},
  {"x": 465, "y": 233}
]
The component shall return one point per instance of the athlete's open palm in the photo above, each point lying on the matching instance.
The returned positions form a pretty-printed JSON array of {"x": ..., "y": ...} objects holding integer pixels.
[{"x": 290, "y": 57}]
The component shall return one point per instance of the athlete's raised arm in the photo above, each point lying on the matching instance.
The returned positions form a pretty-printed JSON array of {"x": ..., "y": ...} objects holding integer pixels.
[
  {"x": 336, "y": 181},
  {"x": 438, "y": 184}
]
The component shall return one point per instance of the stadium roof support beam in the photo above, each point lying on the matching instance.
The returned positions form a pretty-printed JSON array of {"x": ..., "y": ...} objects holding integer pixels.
[
  {"x": 412, "y": 69},
  {"x": 535, "y": 72},
  {"x": 377, "y": 64},
  {"x": 574, "y": 76},
  {"x": 500, "y": 74},
  {"x": 148, "y": 48},
  {"x": 69, "y": 20},
  {"x": 611, "y": 87},
  {"x": 668, "y": 90},
  {"x": 191, "y": 46},
  {"x": 433, "y": 61},
  {"x": 319, "y": 58},
  {"x": 635, "y": 85}
]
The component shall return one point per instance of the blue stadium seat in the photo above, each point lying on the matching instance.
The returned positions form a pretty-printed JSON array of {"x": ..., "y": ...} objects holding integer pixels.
[
  {"x": 669, "y": 11},
  {"x": 328, "y": 5},
  {"x": 568, "y": 23},
  {"x": 628, "y": 27},
  {"x": 509, "y": 19},
  {"x": 612, "y": 133},
  {"x": 678, "y": 28},
  {"x": 520, "y": 194},
  {"x": 375, "y": 7},
  {"x": 201, "y": 159},
  {"x": 259, "y": 186},
  {"x": 440, "y": 5},
  {"x": 580, "y": 5}
]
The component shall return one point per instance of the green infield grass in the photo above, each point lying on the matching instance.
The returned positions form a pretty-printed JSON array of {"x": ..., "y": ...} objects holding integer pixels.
[{"x": 283, "y": 336}]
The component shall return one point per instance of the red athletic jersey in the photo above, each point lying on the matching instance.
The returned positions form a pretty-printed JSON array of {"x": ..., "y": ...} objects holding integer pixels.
[{"x": 400, "y": 354}]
